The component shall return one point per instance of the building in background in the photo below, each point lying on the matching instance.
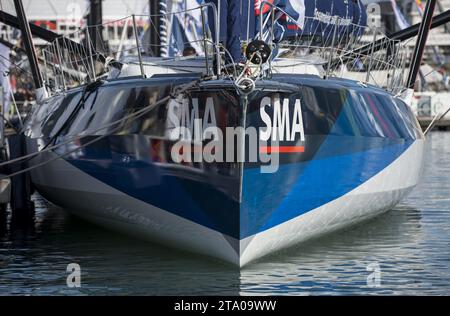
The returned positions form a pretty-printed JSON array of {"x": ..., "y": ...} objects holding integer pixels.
[{"x": 66, "y": 17}]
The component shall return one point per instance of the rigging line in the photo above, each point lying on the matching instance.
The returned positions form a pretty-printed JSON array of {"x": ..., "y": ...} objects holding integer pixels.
[
  {"x": 134, "y": 115},
  {"x": 55, "y": 11},
  {"x": 429, "y": 73},
  {"x": 436, "y": 119},
  {"x": 97, "y": 139},
  {"x": 8, "y": 122},
  {"x": 127, "y": 6},
  {"x": 16, "y": 108},
  {"x": 14, "y": 65}
]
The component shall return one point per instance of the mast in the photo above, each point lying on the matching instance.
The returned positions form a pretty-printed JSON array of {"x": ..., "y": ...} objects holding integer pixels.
[
  {"x": 29, "y": 45},
  {"x": 424, "y": 29},
  {"x": 155, "y": 27},
  {"x": 95, "y": 18}
]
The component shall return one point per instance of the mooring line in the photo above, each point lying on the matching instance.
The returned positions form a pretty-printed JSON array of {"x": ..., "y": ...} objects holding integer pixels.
[{"x": 436, "y": 119}]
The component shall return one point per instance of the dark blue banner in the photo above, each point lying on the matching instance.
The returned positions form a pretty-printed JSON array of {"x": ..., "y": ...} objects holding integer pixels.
[{"x": 321, "y": 17}]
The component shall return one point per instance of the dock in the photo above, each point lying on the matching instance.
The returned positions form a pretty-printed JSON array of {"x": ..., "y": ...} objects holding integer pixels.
[{"x": 442, "y": 125}]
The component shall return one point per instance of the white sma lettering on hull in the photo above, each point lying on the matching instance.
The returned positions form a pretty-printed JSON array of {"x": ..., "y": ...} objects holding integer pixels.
[
  {"x": 282, "y": 126},
  {"x": 285, "y": 124},
  {"x": 193, "y": 127}
]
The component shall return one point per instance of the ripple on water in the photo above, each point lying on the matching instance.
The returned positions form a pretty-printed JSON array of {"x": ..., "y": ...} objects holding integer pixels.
[{"x": 410, "y": 244}]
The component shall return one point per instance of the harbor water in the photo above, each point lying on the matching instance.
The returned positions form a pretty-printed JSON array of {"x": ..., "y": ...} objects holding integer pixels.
[{"x": 408, "y": 248}]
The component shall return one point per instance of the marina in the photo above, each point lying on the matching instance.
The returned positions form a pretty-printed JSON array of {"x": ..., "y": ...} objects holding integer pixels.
[{"x": 280, "y": 147}]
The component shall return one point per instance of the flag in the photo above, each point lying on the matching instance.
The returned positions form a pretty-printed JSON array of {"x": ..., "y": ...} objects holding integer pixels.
[
  {"x": 420, "y": 5},
  {"x": 266, "y": 8},
  {"x": 184, "y": 28},
  {"x": 297, "y": 11},
  {"x": 399, "y": 17}
]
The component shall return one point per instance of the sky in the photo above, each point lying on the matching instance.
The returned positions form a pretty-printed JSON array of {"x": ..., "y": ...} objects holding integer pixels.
[{"x": 49, "y": 9}]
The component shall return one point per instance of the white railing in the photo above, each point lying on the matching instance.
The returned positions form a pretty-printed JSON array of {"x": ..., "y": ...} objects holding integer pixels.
[
  {"x": 91, "y": 52},
  {"x": 339, "y": 50}
]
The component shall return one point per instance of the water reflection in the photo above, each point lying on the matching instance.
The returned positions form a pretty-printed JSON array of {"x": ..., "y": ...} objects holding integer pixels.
[
  {"x": 337, "y": 263},
  {"x": 410, "y": 244},
  {"x": 3, "y": 223},
  {"x": 35, "y": 261}
]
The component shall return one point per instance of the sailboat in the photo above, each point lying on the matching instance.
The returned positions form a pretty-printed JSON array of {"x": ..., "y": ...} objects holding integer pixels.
[{"x": 121, "y": 150}]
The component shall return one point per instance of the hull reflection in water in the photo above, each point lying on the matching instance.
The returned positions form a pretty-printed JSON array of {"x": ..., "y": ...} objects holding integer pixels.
[
  {"x": 361, "y": 153},
  {"x": 34, "y": 262},
  {"x": 410, "y": 244},
  {"x": 338, "y": 262}
]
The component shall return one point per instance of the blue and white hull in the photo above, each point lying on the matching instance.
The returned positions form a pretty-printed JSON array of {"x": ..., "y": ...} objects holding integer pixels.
[
  {"x": 378, "y": 194},
  {"x": 359, "y": 153}
]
